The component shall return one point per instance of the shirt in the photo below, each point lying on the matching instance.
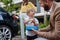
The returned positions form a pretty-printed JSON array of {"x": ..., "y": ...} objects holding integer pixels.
[{"x": 29, "y": 33}]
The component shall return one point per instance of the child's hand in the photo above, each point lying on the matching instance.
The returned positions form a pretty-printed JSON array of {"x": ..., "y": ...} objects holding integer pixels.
[{"x": 33, "y": 21}]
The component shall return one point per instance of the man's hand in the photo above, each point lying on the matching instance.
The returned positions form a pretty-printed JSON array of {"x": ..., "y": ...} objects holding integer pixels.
[
  {"x": 39, "y": 30},
  {"x": 35, "y": 31}
]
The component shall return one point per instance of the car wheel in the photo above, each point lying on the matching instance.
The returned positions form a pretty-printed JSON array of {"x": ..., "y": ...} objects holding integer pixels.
[{"x": 5, "y": 33}]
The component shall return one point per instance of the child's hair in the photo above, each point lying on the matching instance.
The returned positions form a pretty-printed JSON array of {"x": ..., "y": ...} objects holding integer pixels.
[{"x": 30, "y": 10}]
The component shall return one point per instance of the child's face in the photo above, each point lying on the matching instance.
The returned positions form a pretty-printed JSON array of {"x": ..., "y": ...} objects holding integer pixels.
[{"x": 31, "y": 13}]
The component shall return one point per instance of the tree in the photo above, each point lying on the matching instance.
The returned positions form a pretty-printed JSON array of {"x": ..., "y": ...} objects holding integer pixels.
[{"x": 9, "y": 6}]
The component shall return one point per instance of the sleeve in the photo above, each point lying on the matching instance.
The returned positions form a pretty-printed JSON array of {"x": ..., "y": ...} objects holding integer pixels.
[
  {"x": 57, "y": 24},
  {"x": 56, "y": 33},
  {"x": 48, "y": 35}
]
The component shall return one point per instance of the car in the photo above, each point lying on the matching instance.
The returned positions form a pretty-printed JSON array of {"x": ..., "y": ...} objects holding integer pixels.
[{"x": 8, "y": 25}]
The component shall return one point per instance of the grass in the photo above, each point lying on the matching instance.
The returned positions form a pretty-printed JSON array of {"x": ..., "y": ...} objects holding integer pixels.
[{"x": 41, "y": 25}]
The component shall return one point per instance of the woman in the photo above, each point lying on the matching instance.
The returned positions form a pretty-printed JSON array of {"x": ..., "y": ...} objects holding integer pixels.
[{"x": 26, "y": 5}]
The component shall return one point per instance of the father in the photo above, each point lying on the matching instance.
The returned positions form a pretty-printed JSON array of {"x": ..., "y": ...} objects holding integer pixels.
[{"x": 52, "y": 32}]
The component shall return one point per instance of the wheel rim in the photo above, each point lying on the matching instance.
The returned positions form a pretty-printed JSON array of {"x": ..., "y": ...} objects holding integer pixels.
[{"x": 5, "y": 33}]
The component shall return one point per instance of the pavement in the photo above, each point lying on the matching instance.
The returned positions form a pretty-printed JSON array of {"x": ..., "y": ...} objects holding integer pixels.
[{"x": 18, "y": 38}]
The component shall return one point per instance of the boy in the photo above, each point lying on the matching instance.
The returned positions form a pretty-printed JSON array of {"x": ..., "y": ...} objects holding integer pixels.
[{"x": 30, "y": 20}]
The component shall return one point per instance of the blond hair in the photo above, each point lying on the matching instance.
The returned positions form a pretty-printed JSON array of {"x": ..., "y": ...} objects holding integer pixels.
[{"x": 30, "y": 10}]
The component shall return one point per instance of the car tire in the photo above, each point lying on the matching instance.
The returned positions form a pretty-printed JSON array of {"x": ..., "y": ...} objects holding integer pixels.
[{"x": 5, "y": 33}]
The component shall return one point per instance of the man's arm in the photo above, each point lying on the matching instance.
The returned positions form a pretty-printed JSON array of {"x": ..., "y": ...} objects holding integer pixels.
[
  {"x": 45, "y": 34},
  {"x": 57, "y": 24},
  {"x": 48, "y": 35},
  {"x": 56, "y": 33},
  {"x": 52, "y": 35}
]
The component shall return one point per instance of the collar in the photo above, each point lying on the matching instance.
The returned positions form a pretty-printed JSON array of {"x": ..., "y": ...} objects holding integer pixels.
[{"x": 51, "y": 8}]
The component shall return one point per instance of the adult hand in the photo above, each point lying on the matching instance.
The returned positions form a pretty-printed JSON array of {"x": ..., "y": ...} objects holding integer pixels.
[
  {"x": 40, "y": 30},
  {"x": 35, "y": 31}
]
